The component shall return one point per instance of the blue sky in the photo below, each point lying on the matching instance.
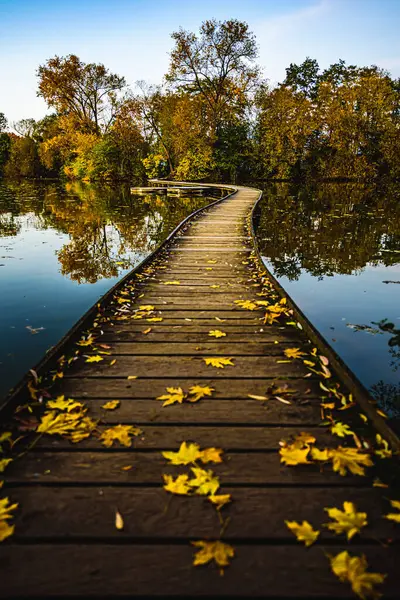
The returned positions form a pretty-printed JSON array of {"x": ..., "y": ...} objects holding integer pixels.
[{"x": 132, "y": 37}]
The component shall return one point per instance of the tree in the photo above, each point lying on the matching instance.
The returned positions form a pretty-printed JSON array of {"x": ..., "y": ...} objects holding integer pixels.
[
  {"x": 218, "y": 65},
  {"x": 3, "y": 122},
  {"x": 88, "y": 92},
  {"x": 304, "y": 77}
]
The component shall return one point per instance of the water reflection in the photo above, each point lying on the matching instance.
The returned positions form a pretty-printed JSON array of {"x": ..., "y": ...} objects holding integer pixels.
[
  {"x": 61, "y": 248},
  {"x": 336, "y": 249}
]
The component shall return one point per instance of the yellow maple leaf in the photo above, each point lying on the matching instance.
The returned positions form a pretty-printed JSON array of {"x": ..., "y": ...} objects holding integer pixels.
[
  {"x": 218, "y": 551},
  {"x": 4, "y": 464},
  {"x": 293, "y": 353},
  {"x": 111, "y": 405},
  {"x": 204, "y": 481},
  {"x": 394, "y": 516},
  {"x": 85, "y": 342},
  {"x": 322, "y": 455},
  {"x": 6, "y": 509},
  {"x": 174, "y": 395},
  {"x": 119, "y": 433},
  {"x": 220, "y": 500},
  {"x": 177, "y": 486},
  {"x": 188, "y": 453},
  {"x": 82, "y": 430},
  {"x": 60, "y": 403},
  {"x": 353, "y": 570},
  {"x": 146, "y": 307},
  {"x": 303, "y": 439},
  {"x": 216, "y": 333},
  {"x": 94, "y": 359},
  {"x": 348, "y": 520},
  {"x": 292, "y": 455},
  {"x": 351, "y": 459},
  {"x": 303, "y": 532},
  {"x": 341, "y": 429},
  {"x": 218, "y": 362},
  {"x": 211, "y": 455},
  {"x": 198, "y": 392},
  {"x": 54, "y": 423},
  {"x": 172, "y": 282},
  {"x": 5, "y": 530},
  {"x": 247, "y": 304}
]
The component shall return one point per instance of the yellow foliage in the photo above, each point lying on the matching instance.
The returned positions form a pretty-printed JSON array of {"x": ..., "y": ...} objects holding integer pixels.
[
  {"x": 94, "y": 359},
  {"x": 187, "y": 454},
  {"x": 220, "y": 500},
  {"x": 111, "y": 405},
  {"x": 204, "y": 481},
  {"x": 341, "y": 429},
  {"x": 174, "y": 395},
  {"x": 60, "y": 403},
  {"x": 394, "y": 516},
  {"x": 218, "y": 362},
  {"x": 351, "y": 459},
  {"x": 293, "y": 353},
  {"x": 216, "y": 333},
  {"x": 353, "y": 570},
  {"x": 4, "y": 464},
  {"x": 218, "y": 551},
  {"x": 177, "y": 486},
  {"x": 292, "y": 455},
  {"x": 348, "y": 521},
  {"x": 119, "y": 433},
  {"x": 247, "y": 304},
  {"x": 303, "y": 532},
  {"x": 198, "y": 392}
]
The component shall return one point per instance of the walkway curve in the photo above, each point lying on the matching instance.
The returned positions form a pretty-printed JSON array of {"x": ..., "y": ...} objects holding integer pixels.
[{"x": 155, "y": 334}]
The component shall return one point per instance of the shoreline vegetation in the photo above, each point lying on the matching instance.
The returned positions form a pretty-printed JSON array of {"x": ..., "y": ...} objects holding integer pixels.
[{"x": 214, "y": 117}]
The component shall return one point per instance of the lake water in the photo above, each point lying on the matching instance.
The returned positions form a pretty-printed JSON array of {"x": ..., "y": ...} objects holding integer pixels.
[
  {"x": 61, "y": 248},
  {"x": 335, "y": 248}
]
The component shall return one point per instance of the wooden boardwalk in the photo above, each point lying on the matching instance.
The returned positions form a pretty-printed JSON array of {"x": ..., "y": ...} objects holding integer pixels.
[{"x": 66, "y": 543}]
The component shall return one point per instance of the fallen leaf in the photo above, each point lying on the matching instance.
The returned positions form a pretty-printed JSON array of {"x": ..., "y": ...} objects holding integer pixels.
[
  {"x": 247, "y": 304},
  {"x": 293, "y": 353},
  {"x": 394, "y": 516},
  {"x": 341, "y": 429},
  {"x": 155, "y": 319},
  {"x": 119, "y": 433},
  {"x": 111, "y": 405},
  {"x": 172, "y": 282},
  {"x": 132, "y": 377},
  {"x": 94, "y": 359},
  {"x": 6, "y": 509},
  {"x": 348, "y": 520},
  {"x": 146, "y": 331},
  {"x": 127, "y": 468},
  {"x": 218, "y": 551},
  {"x": 113, "y": 362},
  {"x": 351, "y": 459},
  {"x": 303, "y": 532},
  {"x": 220, "y": 500},
  {"x": 322, "y": 455},
  {"x": 174, "y": 395},
  {"x": 177, "y": 486},
  {"x": 216, "y": 333},
  {"x": 188, "y": 453},
  {"x": 146, "y": 307},
  {"x": 60, "y": 403},
  {"x": 255, "y": 397},
  {"x": 292, "y": 455},
  {"x": 353, "y": 570},
  {"x": 218, "y": 362},
  {"x": 384, "y": 450},
  {"x": 198, "y": 392},
  {"x": 119, "y": 522},
  {"x": 6, "y": 530},
  {"x": 4, "y": 464},
  {"x": 211, "y": 455},
  {"x": 204, "y": 482}
]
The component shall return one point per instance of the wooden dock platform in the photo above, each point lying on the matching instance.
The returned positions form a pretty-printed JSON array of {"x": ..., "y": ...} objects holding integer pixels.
[
  {"x": 102, "y": 518},
  {"x": 181, "y": 190}
]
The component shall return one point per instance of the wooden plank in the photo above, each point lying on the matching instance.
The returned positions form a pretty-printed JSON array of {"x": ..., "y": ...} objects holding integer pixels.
[
  {"x": 106, "y": 467},
  {"x": 165, "y": 569},
  {"x": 215, "y": 412},
  {"x": 169, "y": 437},
  {"x": 149, "y": 387},
  {"x": 203, "y": 347},
  {"x": 147, "y": 366},
  {"x": 178, "y": 335},
  {"x": 56, "y": 512}
]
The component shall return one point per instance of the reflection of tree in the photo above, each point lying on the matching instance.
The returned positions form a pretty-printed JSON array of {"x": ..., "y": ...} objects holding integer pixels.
[
  {"x": 334, "y": 228},
  {"x": 107, "y": 226},
  {"x": 387, "y": 396}
]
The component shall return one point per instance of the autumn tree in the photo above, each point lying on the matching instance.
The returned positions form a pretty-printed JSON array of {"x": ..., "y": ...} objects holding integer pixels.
[
  {"x": 88, "y": 92},
  {"x": 5, "y": 142},
  {"x": 217, "y": 65}
]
